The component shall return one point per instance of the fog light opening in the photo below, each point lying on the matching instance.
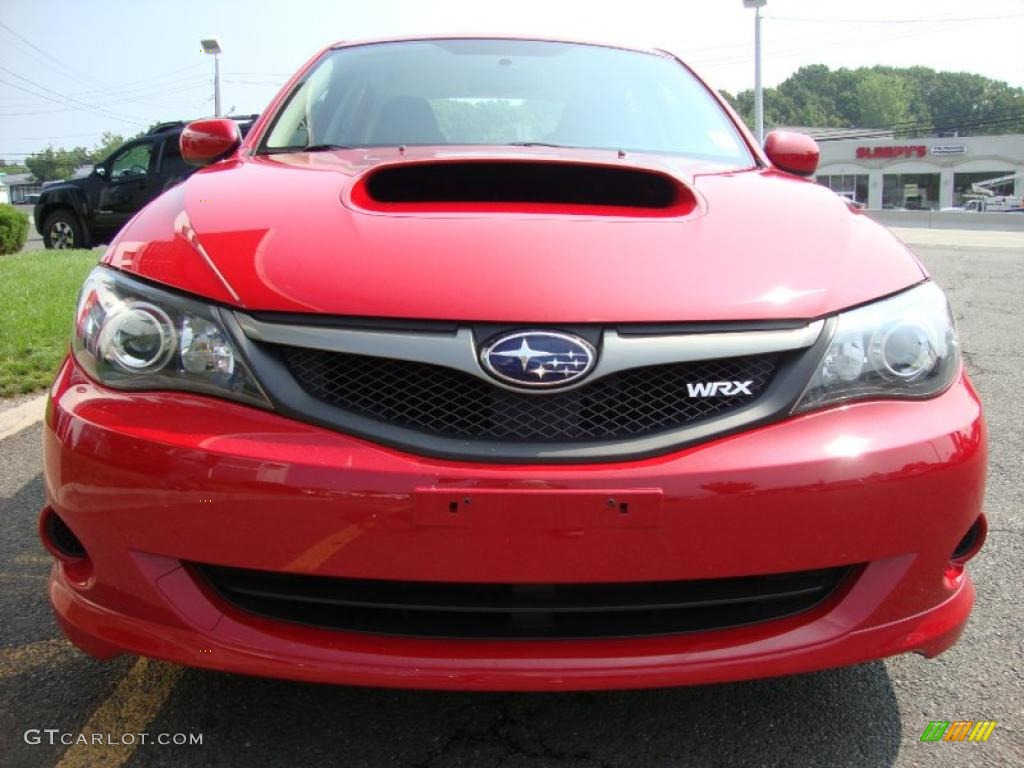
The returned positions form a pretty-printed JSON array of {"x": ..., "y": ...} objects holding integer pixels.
[
  {"x": 59, "y": 539},
  {"x": 971, "y": 543}
]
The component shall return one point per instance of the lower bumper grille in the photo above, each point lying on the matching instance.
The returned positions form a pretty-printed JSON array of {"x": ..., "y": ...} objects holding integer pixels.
[{"x": 524, "y": 611}]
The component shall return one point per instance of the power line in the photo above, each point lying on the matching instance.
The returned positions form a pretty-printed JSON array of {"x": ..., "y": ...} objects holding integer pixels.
[
  {"x": 930, "y": 126},
  {"x": 263, "y": 74},
  {"x": 193, "y": 82},
  {"x": 36, "y": 112},
  {"x": 50, "y": 138},
  {"x": 944, "y": 123},
  {"x": 61, "y": 110},
  {"x": 143, "y": 98},
  {"x": 146, "y": 83},
  {"x": 775, "y": 53},
  {"x": 845, "y": 36},
  {"x": 1016, "y": 112},
  {"x": 819, "y": 20},
  {"x": 938, "y": 24},
  {"x": 947, "y": 120},
  {"x": 82, "y": 107},
  {"x": 68, "y": 71},
  {"x": 65, "y": 99},
  {"x": 262, "y": 84},
  {"x": 145, "y": 86}
]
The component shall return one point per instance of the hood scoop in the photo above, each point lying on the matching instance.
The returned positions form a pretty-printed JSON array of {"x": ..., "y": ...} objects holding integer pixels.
[{"x": 561, "y": 188}]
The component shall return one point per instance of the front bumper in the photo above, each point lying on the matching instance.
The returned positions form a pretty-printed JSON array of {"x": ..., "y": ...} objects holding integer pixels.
[{"x": 149, "y": 481}]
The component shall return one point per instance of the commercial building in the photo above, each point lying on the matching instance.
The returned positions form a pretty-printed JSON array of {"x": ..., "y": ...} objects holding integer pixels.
[{"x": 923, "y": 174}]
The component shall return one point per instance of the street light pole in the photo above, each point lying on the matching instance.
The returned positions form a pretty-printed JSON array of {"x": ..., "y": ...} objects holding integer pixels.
[
  {"x": 211, "y": 45},
  {"x": 216, "y": 89},
  {"x": 758, "y": 92}
]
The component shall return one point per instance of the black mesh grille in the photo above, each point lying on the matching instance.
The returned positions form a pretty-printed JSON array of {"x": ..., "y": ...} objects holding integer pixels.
[
  {"x": 443, "y": 401},
  {"x": 433, "y": 609}
]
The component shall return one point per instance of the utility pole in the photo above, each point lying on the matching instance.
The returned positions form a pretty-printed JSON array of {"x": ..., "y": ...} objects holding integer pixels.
[
  {"x": 758, "y": 92},
  {"x": 211, "y": 46}
]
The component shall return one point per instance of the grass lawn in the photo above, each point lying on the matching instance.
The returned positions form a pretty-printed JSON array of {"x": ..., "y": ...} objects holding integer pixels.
[{"x": 38, "y": 290}]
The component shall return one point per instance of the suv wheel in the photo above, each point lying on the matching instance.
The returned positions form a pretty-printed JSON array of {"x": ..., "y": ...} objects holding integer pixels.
[{"x": 62, "y": 229}]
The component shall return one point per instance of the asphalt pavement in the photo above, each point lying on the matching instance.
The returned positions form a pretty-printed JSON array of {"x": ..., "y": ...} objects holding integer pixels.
[{"x": 869, "y": 715}]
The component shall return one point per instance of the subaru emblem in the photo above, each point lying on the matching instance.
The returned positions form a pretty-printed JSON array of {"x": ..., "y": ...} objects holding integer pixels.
[{"x": 538, "y": 359}]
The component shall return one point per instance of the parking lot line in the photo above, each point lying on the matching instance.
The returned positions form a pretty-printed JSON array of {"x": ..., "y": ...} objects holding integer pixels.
[
  {"x": 974, "y": 238},
  {"x": 21, "y": 416},
  {"x": 22, "y": 658},
  {"x": 33, "y": 558},
  {"x": 129, "y": 709}
]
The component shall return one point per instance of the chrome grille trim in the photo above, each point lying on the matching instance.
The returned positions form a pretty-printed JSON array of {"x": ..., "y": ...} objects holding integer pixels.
[
  {"x": 458, "y": 350},
  {"x": 620, "y": 353}
]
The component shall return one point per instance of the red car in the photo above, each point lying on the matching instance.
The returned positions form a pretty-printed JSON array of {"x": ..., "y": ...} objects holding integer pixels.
[{"x": 509, "y": 364}]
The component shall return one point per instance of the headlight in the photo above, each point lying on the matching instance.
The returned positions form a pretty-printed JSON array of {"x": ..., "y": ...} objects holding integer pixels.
[
  {"x": 903, "y": 346},
  {"x": 130, "y": 335}
]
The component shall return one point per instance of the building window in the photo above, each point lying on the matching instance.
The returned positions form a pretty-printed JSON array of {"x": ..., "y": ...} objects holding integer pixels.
[
  {"x": 849, "y": 185},
  {"x": 962, "y": 184},
  {"x": 911, "y": 191}
]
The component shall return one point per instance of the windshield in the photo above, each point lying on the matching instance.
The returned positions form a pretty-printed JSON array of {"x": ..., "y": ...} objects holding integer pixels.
[{"x": 458, "y": 92}]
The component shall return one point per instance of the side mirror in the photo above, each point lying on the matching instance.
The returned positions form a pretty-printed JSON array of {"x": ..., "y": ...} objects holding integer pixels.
[
  {"x": 99, "y": 170},
  {"x": 207, "y": 141},
  {"x": 792, "y": 152}
]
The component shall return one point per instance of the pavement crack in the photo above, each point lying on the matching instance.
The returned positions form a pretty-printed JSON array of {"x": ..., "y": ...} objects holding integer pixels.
[{"x": 512, "y": 734}]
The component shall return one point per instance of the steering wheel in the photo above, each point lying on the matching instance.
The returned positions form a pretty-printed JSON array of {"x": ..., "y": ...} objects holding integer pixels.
[{"x": 137, "y": 170}]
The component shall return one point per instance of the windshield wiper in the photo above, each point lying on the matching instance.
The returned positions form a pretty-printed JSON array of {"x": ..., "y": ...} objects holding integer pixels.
[
  {"x": 537, "y": 144},
  {"x": 306, "y": 148}
]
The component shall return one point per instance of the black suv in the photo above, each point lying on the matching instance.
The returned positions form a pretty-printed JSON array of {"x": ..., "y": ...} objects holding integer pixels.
[{"x": 81, "y": 213}]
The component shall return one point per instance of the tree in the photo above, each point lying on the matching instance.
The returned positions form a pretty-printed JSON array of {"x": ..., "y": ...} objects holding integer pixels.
[
  {"x": 51, "y": 164},
  {"x": 882, "y": 100},
  {"x": 494, "y": 120},
  {"x": 107, "y": 144},
  {"x": 912, "y": 101}
]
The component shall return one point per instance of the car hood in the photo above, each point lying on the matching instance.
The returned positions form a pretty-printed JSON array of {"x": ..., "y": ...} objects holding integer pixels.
[{"x": 281, "y": 233}]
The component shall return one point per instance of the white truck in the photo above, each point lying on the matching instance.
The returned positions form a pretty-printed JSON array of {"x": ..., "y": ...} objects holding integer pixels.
[{"x": 982, "y": 197}]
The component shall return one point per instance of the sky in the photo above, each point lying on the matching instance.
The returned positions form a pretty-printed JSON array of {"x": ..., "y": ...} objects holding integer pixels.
[{"x": 71, "y": 69}]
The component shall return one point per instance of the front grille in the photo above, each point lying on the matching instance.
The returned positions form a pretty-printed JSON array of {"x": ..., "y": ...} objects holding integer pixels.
[
  {"x": 460, "y": 610},
  {"x": 446, "y": 402}
]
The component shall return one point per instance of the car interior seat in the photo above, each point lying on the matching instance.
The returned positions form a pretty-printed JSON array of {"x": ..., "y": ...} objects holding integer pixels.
[{"x": 406, "y": 120}]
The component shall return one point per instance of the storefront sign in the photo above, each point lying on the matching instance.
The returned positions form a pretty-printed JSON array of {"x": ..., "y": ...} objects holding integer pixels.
[
  {"x": 949, "y": 149},
  {"x": 865, "y": 153}
]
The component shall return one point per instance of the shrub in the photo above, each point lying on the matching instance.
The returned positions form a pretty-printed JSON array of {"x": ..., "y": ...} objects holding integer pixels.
[{"x": 13, "y": 229}]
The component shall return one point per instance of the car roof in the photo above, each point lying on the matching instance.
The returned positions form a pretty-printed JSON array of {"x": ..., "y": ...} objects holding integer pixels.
[
  {"x": 177, "y": 126},
  {"x": 531, "y": 38}
]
